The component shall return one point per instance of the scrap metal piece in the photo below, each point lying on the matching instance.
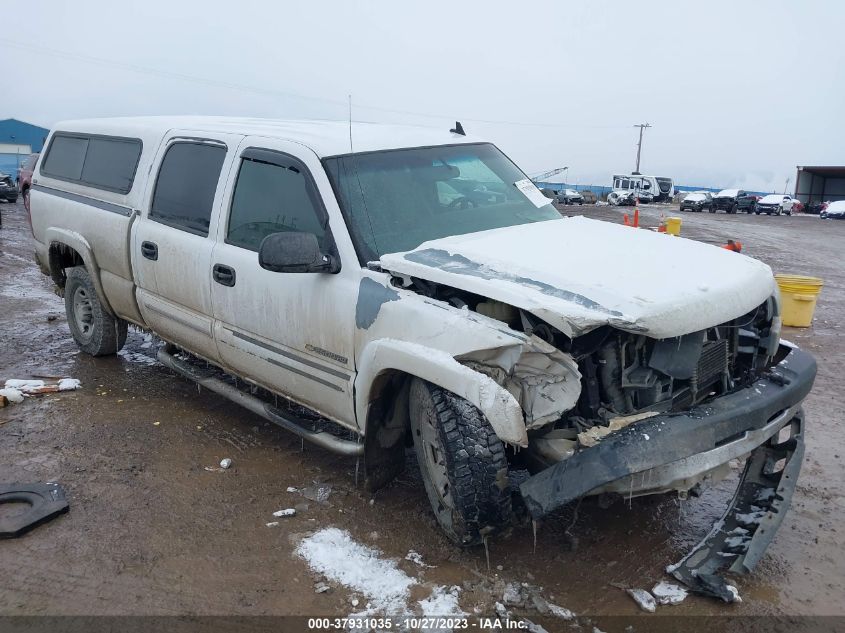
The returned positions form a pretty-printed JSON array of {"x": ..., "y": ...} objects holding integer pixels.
[
  {"x": 738, "y": 540},
  {"x": 45, "y": 500}
]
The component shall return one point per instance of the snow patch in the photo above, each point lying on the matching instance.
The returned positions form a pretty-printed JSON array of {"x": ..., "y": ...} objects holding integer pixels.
[
  {"x": 334, "y": 553},
  {"x": 668, "y": 593}
]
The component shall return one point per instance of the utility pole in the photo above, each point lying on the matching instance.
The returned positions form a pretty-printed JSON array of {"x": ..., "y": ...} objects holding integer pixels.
[{"x": 642, "y": 126}]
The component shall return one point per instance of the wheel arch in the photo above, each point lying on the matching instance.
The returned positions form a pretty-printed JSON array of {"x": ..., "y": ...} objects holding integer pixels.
[
  {"x": 68, "y": 249},
  {"x": 384, "y": 362}
]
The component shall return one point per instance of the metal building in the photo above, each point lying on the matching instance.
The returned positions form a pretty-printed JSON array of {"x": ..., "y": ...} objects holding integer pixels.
[
  {"x": 814, "y": 185},
  {"x": 18, "y": 140}
]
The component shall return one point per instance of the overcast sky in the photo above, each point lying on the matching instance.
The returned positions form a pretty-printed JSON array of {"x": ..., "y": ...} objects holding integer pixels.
[{"x": 739, "y": 93}]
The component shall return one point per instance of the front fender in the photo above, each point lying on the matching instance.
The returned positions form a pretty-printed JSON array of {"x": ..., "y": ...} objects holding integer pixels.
[
  {"x": 497, "y": 404},
  {"x": 77, "y": 242}
]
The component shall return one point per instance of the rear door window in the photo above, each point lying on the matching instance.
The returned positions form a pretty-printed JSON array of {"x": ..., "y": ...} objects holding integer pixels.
[{"x": 186, "y": 184}]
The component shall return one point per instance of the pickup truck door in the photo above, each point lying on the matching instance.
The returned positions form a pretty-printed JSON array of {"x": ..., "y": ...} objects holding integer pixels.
[
  {"x": 292, "y": 333},
  {"x": 173, "y": 239}
]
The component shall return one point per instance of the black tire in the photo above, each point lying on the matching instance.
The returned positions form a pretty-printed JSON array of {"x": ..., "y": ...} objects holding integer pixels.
[
  {"x": 95, "y": 331},
  {"x": 713, "y": 209},
  {"x": 463, "y": 464}
]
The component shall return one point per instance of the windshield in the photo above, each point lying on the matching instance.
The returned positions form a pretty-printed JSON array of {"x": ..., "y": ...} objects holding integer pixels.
[
  {"x": 395, "y": 200},
  {"x": 695, "y": 197}
]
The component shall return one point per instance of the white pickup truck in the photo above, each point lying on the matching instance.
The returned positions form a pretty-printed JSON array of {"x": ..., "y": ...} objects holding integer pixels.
[{"x": 420, "y": 290}]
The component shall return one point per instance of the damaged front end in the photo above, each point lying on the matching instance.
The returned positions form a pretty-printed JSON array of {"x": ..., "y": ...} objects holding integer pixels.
[{"x": 666, "y": 415}]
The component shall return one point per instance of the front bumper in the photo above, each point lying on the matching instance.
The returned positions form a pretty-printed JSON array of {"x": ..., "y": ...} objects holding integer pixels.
[
  {"x": 722, "y": 429},
  {"x": 660, "y": 451}
]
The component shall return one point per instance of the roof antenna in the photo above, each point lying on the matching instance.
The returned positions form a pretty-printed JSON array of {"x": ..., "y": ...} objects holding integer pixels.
[
  {"x": 350, "y": 124},
  {"x": 458, "y": 129}
]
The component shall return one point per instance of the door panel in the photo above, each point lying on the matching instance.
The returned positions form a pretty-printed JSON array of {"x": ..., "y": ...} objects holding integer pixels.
[
  {"x": 174, "y": 238},
  {"x": 290, "y": 332}
]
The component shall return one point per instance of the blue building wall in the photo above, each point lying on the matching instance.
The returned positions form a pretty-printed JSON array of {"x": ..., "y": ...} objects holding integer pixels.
[{"x": 19, "y": 133}]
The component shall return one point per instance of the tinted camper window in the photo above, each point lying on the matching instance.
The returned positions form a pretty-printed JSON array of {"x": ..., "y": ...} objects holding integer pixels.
[
  {"x": 186, "y": 184},
  {"x": 102, "y": 162}
]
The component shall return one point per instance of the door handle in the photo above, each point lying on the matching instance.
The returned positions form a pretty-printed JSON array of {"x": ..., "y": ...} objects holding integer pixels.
[
  {"x": 149, "y": 250},
  {"x": 224, "y": 275}
]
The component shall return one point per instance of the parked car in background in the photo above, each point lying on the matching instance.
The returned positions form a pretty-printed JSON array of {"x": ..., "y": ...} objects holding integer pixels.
[
  {"x": 775, "y": 204},
  {"x": 628, "y": 198},
  {"x": 589, "y": 196},
  {"x": 816, "y": 208},
  {"x": 834, "y": 210},
  {"x": 569, "y": 196},
  {"x": 697, "y": 201},
  {"x": 25, "y": 177},
  {"x": 8, "y": 190},
  {"x": 733, "y": 200}
]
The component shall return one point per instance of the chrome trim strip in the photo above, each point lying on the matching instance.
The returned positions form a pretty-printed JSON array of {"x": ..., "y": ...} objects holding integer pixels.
[
  {"x": 298, "y": 359},
  {"x": 93, "y": 202}
]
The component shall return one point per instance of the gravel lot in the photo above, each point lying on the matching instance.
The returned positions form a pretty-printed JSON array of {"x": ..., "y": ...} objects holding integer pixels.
[{"x": 151, "y": 531}]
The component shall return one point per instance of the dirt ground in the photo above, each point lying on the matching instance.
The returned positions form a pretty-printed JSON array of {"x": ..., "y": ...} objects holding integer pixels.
[{"x": 151, "y": 531}]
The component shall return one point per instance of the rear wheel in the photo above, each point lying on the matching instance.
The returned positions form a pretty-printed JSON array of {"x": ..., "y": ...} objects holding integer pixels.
[
  {"x": 463, "y": 464},
  {"x": 95, "y": 331}
]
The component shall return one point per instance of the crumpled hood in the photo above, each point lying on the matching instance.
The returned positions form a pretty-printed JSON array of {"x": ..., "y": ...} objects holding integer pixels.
[{"x": 578, "y": 274}]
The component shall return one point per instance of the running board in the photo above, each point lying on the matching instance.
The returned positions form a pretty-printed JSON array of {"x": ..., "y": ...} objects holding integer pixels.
[{"x": 275, "y": 415}]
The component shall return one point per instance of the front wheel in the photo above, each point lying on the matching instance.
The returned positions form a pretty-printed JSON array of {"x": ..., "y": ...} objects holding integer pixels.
[
  {"x": 95, "y": 331},
  {"x": 463, "y": 464}
]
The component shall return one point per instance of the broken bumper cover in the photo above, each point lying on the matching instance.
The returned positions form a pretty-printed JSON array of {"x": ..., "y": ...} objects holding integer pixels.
[{"x": 674, "y": 445}]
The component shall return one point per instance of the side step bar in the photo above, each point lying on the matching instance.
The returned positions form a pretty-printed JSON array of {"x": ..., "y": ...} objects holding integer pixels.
[{"x": 277, "y": 416}]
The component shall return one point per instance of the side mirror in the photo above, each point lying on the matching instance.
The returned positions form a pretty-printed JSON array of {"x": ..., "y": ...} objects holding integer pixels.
[{"x": 290, "y": 252}]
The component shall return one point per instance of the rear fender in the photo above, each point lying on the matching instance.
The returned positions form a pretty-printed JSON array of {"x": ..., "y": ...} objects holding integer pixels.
[{"x": 59, "y": 238}]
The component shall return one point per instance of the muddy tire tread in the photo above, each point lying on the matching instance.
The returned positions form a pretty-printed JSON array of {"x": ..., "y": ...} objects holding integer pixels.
[
  {"x": 477, "y": 469},
  {"x": 109, "y": 333}
]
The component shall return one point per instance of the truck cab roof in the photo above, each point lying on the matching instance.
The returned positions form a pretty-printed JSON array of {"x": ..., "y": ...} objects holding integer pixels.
[{"x": 325, "y": 138}]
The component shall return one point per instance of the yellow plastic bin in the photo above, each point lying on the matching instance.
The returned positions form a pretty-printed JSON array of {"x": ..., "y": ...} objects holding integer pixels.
[
  {"x": 798, "y": 296},
  {"x": 673, "y": 226}
]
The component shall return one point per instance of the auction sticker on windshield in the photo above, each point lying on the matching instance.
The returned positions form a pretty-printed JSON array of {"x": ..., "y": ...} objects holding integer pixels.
[{"x": 530, "y": 191}]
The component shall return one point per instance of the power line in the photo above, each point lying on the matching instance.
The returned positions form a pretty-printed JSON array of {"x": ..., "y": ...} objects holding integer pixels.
[{"x": 337, "y": 103}]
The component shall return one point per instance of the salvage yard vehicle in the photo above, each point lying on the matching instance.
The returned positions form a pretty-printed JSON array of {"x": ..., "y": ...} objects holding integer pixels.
[
  {"x": 697, "y": 201},
  {"x": 834, "y": 210},
  {"x": 364, "y": 307},
  {"x": 733, "y": 200},
  {"x": 774, "y": 204},
  {"x": 25, "y": 177},
  {"x": 8, "y": 189},
  {"x": 569, "y": 196}
]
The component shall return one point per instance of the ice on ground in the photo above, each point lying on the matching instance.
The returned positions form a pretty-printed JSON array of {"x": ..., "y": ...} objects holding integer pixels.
[
  {"x": 561, "y": 612},
  {"x": 12, "y": 395},
  {"x": 69, "y": 384},
  {"x": 138, "y": 358},
  {"x": 287, "y": 512},
  {"x": 668, "y": 593},
  {"x": 416, "y": 558},
  {"x": 644, "y": 599},
  {"x": 225, "y": 463},
  {"x": 443, "y": 602},
  {"x": 734, "y": 592},
  {"x": 24, "y": 385},
  {"x": 334, "y": 553}
]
